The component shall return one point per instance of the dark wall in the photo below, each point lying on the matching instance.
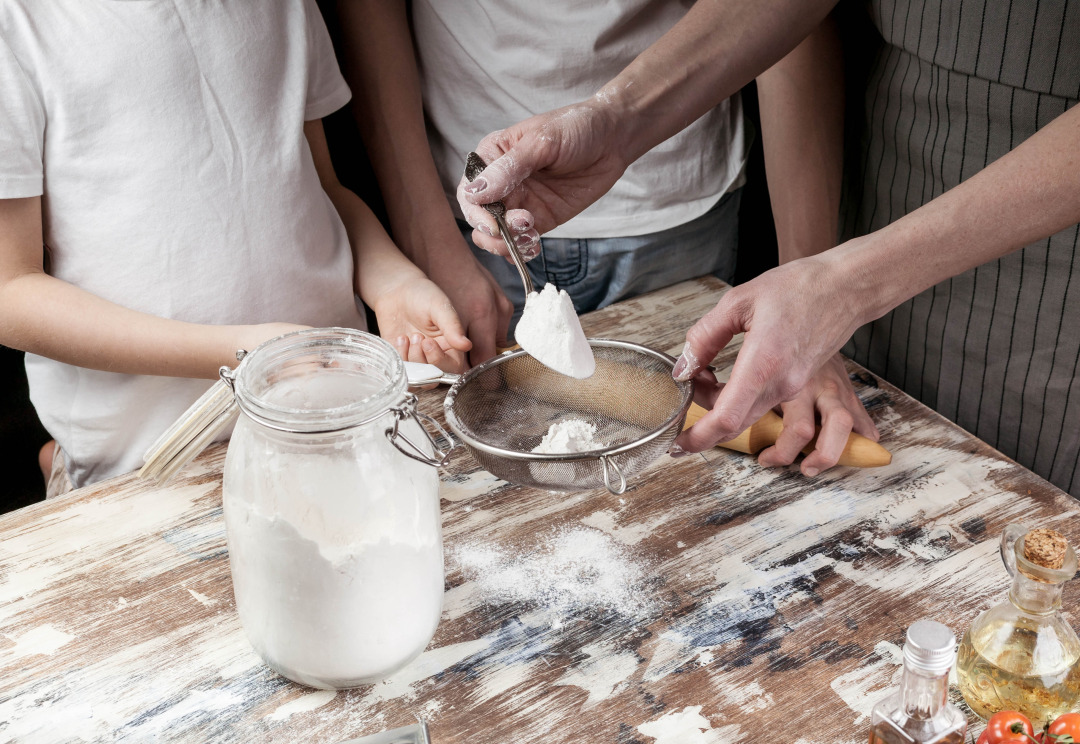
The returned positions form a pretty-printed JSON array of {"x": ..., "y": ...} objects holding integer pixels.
[
  {"x": 757, "y": 232},
  {"x": 21, "y": 436}
]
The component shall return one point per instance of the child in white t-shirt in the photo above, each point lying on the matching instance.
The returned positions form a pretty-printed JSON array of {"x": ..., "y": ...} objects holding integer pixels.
[{"x": 171, "y": 160}]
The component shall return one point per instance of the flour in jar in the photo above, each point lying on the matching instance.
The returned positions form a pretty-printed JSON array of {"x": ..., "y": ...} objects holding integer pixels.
[
  {"x": 550, "y": 331},
  {"x": 336, "y": 554},
  {"x": 568, "y": 435}
]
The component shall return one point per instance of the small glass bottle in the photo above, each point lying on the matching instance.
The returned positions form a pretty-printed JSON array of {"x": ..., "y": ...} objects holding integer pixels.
[
  {"x": 920, "y": 712},
  {"x": 1022, "y": 654}
]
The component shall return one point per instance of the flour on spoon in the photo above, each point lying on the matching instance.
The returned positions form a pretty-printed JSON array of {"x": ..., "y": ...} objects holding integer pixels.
[{"x": 550, "y": 332}]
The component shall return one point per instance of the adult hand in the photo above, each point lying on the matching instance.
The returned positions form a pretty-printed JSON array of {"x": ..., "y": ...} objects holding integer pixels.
[
  {"x": 479, "y": 300},
  {"x": 795, "y": 317},
  {"x": 829, "y": 395},
  {"x": 546, "y": 170}
]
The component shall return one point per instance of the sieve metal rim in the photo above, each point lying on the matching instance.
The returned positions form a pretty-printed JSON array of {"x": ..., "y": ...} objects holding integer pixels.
[{"x": 686, "y": 388}]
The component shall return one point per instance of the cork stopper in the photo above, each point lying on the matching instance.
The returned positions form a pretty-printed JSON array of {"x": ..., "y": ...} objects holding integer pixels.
[{"x": 1045, "y": 548}]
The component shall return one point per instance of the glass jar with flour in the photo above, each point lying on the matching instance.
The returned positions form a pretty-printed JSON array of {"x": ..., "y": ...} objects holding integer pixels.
[{"x": 332, "y": 509}]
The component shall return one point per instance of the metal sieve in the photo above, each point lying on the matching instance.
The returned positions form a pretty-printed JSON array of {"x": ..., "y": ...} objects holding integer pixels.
[{"x": 502, "y": 409}]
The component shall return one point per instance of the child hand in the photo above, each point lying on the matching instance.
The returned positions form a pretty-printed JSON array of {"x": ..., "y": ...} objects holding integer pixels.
[
  {"x": 418, "y": 319},
  {"x": 420, "y": 348}
]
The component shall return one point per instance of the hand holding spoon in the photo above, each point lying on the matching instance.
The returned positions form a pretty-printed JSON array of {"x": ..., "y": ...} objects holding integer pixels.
[{"x": 549, "y": 329}]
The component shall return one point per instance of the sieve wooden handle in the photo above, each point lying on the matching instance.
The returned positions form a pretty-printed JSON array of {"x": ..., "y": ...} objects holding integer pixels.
[{"x": 859, "y": 452}]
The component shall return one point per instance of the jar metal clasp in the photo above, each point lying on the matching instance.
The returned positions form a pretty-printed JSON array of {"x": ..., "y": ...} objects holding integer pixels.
[{"x": 407, "y": 410}]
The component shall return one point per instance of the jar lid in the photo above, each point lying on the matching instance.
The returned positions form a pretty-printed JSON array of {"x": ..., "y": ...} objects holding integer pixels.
[
  {"x": 329, "y": 349},
  {"x": 930, "y": 647}
]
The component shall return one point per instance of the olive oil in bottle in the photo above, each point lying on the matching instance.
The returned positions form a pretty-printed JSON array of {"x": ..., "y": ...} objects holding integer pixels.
[{"x": 1022, "y": 655}]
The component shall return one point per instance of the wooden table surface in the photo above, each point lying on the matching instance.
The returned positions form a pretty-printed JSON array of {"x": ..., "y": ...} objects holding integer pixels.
[{"x": 735, "y": 603}]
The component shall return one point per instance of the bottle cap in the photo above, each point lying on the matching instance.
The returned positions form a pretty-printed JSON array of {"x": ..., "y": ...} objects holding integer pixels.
[{"x": 930, "y": 647}]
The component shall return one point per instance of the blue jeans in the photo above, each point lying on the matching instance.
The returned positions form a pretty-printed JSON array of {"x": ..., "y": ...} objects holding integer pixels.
[{"x": 596, "y": 272}]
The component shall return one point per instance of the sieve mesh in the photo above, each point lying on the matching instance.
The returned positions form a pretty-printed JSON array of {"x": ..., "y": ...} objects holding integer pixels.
[{"x": 503, "y": 408}]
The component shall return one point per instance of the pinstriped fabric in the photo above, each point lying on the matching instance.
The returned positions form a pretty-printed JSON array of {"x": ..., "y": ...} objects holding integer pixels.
[
  {"x": 956, "y": 85},
  {"x": 1008, "y": 31}
]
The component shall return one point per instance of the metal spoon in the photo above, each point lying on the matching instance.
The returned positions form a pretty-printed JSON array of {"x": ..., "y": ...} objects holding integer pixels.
[{"x": 474, "y": 166}]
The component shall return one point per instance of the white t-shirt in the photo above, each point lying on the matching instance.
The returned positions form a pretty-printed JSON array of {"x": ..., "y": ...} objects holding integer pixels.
[
  {"x": 167, "y": 139},
  {"x": 487, "y": 64}
]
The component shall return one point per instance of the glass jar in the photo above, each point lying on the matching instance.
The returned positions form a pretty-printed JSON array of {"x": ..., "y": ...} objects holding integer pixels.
[
  {"x": 1022, "y": 654},
  {"x": 920, "y": 711},
  {"x": 331, "y": 509}
]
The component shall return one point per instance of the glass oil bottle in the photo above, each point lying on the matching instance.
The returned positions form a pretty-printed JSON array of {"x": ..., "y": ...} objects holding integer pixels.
[
  {"x": 1022, "y": 654},
  {"x": 920, "y": 712}
]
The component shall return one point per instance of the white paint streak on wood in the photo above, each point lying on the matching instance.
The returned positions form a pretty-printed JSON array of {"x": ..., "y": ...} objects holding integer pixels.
[
  {"x": 303, "y": 704},
  {"x": 602, "y": 673},
  {"x": 503, "y": 677},
  {"x": 471, "y": 486},
  {"x": 747, "y": 696},
  {"x": 44, "y": 640},
  {"x": 863, "y": 688},
  {"x": 632, "y": 533},
  {"x": 202, "y": 599},
  {"x": 430, "y": 662},
  {"x": 687, "y": 726},
  {"x": 196, "y": 704}
]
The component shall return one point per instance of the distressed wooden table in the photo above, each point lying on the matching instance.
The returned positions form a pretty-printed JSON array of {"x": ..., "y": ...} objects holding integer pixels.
[{"x": 716, "y": 601}]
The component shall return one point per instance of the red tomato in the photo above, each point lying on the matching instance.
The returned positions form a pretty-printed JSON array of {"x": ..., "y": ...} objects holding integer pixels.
[
  {"x": 1064, "y": 726},
  {"x": 1008, "y": 727},
  {"x": 985, "y": 739}
]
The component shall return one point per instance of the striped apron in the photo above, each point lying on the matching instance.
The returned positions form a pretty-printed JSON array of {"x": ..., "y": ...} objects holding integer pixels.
[{"x": 952, "y": 86}]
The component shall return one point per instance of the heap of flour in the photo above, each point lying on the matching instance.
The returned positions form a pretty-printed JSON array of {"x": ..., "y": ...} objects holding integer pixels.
[
  {"x": 568, "y": 435},
  {"x": 571, "y": 571},
  {"x": 550, "y": 331}
]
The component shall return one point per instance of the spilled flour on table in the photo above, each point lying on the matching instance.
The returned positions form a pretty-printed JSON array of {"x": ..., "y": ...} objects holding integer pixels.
[{"x": 573, "y": 570}]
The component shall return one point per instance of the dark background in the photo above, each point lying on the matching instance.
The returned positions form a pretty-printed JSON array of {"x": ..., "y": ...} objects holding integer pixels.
[{"x": 21, "y": 434}]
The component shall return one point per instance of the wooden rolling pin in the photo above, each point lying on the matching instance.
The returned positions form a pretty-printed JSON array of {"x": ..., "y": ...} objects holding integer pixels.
[{"x": 859, "y": 452}]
